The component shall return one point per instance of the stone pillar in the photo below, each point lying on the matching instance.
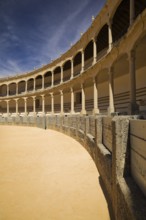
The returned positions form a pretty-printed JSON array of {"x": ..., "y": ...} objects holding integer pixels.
[
  {"x": 132, "y": 11},
  {"x": 95, "y": 90},
  {"x": 8, "y": 107},
  {"x": 43, "y": 81},
  {"x": 110, "y": 38},
  {"x": 34, "y": 108},
  {"x": 52, "y": 103},
  {"x": 61, "y": 81},
  {"x": 83, "y": 61},
  {"x": 52, "y": 78},
  {"x": 25, "y": 106},
  {"x": 16, "y": 106},
  {"x": 72, "y": 101},
  {"x": 111, "y": 108},
  {"x": 8, "y": 90},
  {"x": 34, "y": 84},
  {"x": 83, "y": 111},
  {"x": 133, "y": 108},
  {"x": 72, "y": 69},
  {"x": 43, "y": 104},
  {"x": 62, "y": 103},
  {"x": 94, "y": 51},
  {"x": 26, "y": 86}
]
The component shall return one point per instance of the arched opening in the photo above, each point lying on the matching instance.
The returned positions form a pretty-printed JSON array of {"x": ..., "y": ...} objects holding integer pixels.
[
  {"x": 103, "y": 90},
  {"x": 30, "y": 84},
  {"x": 12, "y": 89},
  {"x": 140, "y": 65},
  {"x": 88, "y": 54},
  {"x": 47, "y": 79},
  {"x": 121, "y": 20},
  {"x": 67, "y": 71},
  {"x": 121, "y": 84},
  {"x": 21, "y": 105},
  {"x": 38, "y": 81},
  {"x": 38, "y": 104},
  {"x": 21, "y": 87},
  {"x": 3, "y": 105},
  {"x": 48, "y": 103},
  {"x": 77, "y": 63},
  {"x": 30, "y": 104},
  {"x": 3, "y": 90},
  {"x": 102, "y": 42},
  {"x": 12, "y": 106},
  {"x": 57, "y": 75}
]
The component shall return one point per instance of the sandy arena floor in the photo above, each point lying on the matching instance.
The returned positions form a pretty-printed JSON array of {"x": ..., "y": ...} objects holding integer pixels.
[{"x": 46, "y": 175}]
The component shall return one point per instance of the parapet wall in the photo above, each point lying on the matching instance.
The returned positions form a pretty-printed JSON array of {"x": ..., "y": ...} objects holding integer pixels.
[{"x": 111, "y": 143}]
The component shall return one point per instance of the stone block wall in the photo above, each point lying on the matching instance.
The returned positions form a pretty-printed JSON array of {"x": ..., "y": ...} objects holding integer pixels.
[{"x": 111, "y": 143}]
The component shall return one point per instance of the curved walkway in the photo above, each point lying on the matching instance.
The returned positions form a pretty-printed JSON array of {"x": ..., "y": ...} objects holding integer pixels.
[{"x": 46, "y": 175}]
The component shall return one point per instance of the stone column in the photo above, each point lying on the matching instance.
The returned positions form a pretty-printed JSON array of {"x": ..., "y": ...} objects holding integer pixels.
[
  {"x": 95, "y": 90},
  {"x": 43, "y": 104},
  {"x": 25, "y": 106},
  {"x": 8, "y": 90},
  {"x": 133, "y": 108},
  {"x": 83, "y": 61},
  {"x": 34, "y": 108},
  {"x": 62, "y": 103},
  {"x": 83, "y": 111},
  {"x": 8, "y": 107},
  {"x": 43, "y": 81},
  {"x": 52, "y": 78},
  {"x": 72, "y": 69},
  {"x": 111, "y": 108},
  {"x": 26, "y": 86},
  {"x": 94, "y": 51},
  {"x": 16, "y": 106},
  {"x": 61, "y": 81},
  {"x": 72, "y": 101},
  {"x": 132, "y": 11},
  {"x": 34, "y": 84},
  {"x": 52, "y": 103},
  {"x": 110, "y": 38}
]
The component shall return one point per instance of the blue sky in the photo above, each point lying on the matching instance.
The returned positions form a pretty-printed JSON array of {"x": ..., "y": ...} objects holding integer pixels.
[{"x": 32, "y": 32}]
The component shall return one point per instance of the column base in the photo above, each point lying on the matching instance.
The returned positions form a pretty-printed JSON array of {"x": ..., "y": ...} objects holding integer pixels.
[
  {"x": 110, "y": 110},
  {"x": 72, "y": 112},
  {"x": 83, "y": 112},
  {"x": 133, "y": 109},
  {"x": 95, "y": 111}
]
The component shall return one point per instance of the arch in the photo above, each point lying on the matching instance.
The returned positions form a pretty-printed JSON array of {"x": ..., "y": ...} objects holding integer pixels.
[
  {"x": 12, "y": 89},
  {"x": 102, "y": 42},
  {"x": 57, "y": 75},
  {"x": 21, "y": 86},
  {"x": 38, "y": 81},
  {"x": 77, "y": 60},
  {"x": 47, "y": 79},
  {"x": 88, "y": 54},
  {"x": 121, "y": 20},
  {"x": 67, "y": 70}
]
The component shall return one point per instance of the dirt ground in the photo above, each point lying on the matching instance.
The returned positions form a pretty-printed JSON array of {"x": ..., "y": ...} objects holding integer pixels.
[{"x": 46, "y": 175}]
